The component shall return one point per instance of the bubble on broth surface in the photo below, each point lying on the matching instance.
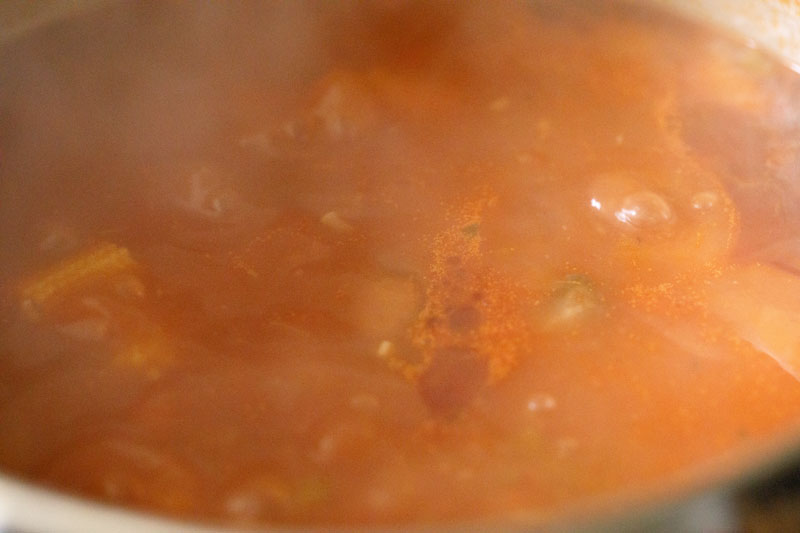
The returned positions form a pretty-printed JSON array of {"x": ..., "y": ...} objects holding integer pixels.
[
  {"x": 619, "y": 197},
  {"x": 541, "y": 402},
  {"x": 705, "y": 200},
  {"x": 645, "y": 210}
]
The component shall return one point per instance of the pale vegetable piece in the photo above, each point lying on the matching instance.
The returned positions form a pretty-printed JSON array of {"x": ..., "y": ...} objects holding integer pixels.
[
  {"x": 572, "y": 299},
  {"x": 384, "y": 307},
  {"x": 59, "y": 240},
  {"x": 346, "y": 107},
  {"x": 654, "y": 310},
  {"x": 91, "y": 329},
  {"x": 406, "y": 362},
  {"x": 94, "y": 319},
  {"x": 784, "y": 254},
  {"x": 343, "y": 441},
  {"x": 262, "y": 496},
  {"x": 335, "y": 222},
  {"x": 266, "y": 495},
  {"x": 385, "y": 349},
  {"x": 150, "y": 356},
  {"x": 762, "y": 305},
  {"x": 731, "y": 75},
  {"x": 96, "y": 264},
  {"x": 206, "y": 196},
  {"x": 138, "y": 343}
]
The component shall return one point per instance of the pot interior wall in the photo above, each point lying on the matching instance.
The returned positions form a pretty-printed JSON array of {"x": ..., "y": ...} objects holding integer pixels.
[{"x": 773, "y": 24}]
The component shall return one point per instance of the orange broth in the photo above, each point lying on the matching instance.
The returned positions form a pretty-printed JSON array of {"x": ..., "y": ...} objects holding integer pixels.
[{"x": 392, "y": 263}]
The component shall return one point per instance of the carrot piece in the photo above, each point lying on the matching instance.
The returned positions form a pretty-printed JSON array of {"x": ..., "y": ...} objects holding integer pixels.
[{"x": 95, "y": 264}]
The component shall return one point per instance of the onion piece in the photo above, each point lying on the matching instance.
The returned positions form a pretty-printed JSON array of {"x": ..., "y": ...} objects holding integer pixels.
[{"x": 762, "y": 304}]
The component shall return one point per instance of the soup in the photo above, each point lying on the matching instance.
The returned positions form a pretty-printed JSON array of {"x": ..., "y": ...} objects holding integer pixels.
[{"x": 393, "y": 263}]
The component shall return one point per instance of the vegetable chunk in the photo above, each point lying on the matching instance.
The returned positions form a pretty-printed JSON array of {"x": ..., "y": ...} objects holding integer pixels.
[
  {"x": 96, "y": 264},
  {"x": 762, "y": 305}
]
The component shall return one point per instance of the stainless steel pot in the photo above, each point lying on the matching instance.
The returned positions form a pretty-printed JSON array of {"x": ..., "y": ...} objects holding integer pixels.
[{"x": 771, "y": 24}]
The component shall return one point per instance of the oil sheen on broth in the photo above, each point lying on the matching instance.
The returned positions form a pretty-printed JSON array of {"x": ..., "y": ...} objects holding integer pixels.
[{"x": 388, "y": 263}]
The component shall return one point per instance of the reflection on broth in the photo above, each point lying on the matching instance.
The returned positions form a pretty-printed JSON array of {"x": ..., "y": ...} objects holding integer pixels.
[{"x": 392, "y": 263}]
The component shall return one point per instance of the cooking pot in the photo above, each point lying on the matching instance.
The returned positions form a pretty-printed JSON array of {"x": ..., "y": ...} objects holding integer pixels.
[{"x": 770, "y": 24}]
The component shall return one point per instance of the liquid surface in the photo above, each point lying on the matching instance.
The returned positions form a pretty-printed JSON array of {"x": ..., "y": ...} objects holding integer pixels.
[{"x": 336, "y": 263}]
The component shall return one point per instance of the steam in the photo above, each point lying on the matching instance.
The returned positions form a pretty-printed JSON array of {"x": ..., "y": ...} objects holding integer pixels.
[{"x": 125, "y": 87}]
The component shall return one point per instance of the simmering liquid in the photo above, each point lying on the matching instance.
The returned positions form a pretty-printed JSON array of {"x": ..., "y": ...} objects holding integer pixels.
[{"x": 392, "y": 263}]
